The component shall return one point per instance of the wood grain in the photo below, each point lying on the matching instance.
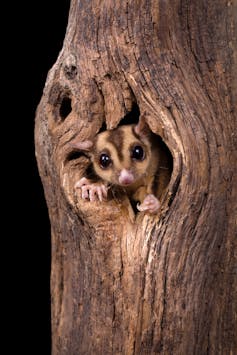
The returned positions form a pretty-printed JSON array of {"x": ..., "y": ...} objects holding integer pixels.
[{"x": 125, "y": 284}]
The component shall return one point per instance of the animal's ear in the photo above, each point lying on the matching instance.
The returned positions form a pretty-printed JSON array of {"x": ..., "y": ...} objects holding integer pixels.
[
  {"x": 142, "y": 129},
  {"x": 84, "y": 145}
]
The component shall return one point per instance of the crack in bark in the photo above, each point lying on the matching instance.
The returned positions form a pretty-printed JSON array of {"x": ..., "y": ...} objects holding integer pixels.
[{"x": 163, "y": 316}]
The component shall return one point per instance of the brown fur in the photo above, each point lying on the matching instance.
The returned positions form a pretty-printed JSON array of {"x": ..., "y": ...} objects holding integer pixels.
[{"x": 118, "y": 144}]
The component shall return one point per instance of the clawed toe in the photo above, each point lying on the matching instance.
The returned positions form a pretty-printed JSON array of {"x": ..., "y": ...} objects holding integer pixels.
[
  {"x": 150, "y": 204},
  {"x": 91, "y": 191}
]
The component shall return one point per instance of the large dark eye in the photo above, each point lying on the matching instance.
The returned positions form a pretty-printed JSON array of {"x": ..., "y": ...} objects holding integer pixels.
[
  {"x": 138, "y": 153},
  {"x": 105, "y": 161}
]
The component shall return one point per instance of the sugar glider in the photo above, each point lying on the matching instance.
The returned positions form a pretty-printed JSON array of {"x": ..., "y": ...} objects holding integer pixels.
[{"x": 127, "y": 157}]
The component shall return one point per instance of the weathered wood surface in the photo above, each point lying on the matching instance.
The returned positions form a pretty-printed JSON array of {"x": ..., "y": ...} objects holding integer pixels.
[{"x": 164, "y": 284}]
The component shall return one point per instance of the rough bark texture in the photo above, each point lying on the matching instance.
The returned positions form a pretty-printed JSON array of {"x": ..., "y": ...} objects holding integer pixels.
[{"x": 149, "y": 285}]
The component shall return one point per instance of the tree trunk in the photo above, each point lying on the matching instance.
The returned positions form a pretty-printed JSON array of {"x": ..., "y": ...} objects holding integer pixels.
[{"x": 144, "y": 284}]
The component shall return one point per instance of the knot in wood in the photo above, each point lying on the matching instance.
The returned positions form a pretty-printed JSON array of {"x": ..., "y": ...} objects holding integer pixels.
[{"x": 70, "y": 67}]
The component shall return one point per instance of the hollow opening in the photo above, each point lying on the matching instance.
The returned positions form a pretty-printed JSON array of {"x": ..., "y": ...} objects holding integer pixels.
[
  {"x": 65, "y": 107},
  {"x": 128, "y": 173}
]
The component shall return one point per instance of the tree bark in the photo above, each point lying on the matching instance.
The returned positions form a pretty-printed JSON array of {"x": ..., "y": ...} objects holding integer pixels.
[{"x": 140, "y": 284}]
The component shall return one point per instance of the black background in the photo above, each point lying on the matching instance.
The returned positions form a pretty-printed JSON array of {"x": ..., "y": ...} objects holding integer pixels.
[{"x": 36, "y": 38}]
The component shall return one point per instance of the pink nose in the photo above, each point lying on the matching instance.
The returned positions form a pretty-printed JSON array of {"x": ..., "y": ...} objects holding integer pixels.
[{"x": 126, "y": 177}]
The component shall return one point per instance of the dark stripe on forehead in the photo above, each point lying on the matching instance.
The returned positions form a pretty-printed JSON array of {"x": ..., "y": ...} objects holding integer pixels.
[{"x": 116, "y": 138}]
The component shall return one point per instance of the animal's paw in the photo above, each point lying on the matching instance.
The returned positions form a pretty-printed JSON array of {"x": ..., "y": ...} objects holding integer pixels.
[
  {"x": 91, "y": 191},
  {"x": 150, "y": 204}
]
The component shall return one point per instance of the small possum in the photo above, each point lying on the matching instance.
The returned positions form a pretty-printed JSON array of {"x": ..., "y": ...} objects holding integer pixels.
[{"x": 128, "y": 158}]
